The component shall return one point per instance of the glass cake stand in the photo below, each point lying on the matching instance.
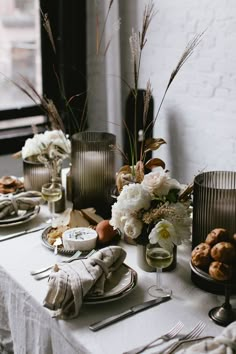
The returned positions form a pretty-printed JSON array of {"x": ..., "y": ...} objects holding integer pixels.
[{"x": 224, "y": 314}]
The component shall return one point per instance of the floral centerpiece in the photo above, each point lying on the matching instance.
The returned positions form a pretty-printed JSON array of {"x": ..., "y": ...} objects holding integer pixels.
[
  {"x": 156, "y": 210},
  {"x": 49, "y": 148},
  {"x": 151, "y": 206}
]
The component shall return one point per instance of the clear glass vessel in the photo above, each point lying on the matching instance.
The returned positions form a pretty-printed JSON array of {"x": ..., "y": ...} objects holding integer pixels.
[{"x": 93, "y": 171}]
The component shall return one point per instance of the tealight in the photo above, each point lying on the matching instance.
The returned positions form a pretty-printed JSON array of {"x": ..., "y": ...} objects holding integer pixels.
[{"x": 79, "y": 238}]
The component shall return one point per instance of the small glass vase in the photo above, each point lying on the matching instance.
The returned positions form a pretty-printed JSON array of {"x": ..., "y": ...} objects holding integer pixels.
[{"x": 35, "y": 175}]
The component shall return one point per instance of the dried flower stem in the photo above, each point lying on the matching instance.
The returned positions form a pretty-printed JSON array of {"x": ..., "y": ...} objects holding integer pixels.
[
  {"x": 47, "y": 105},
  {"x": 137, "y": 44},
  {"x": 47, "y": 26},
  {"x": 99, "y": 38},
  {"x": 184, "y": 57}
]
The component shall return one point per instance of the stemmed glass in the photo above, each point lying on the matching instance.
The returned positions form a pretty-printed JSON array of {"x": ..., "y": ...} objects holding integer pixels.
[
  {"x": 52, "y": 192},
  {"x": 159, "y": 258}
]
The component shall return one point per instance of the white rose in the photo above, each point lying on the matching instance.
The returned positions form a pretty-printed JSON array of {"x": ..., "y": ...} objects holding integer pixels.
[
  {"x": 133, "y": 198},
  {"x": 57, "y": 138},
  {"x": 164, "y": 233},
  {"x": 33, "y": 146},
  {"x": 159, "y": 183},
  {"x": 40, "y": 142},
  {"x": 118, "y": 217},
  {"x": 133, "y": 227}
]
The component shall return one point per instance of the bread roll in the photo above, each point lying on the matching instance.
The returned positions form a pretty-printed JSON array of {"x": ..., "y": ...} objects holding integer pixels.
[
  {"x": 201, "y": 255},
  {"x": 220, "y": 271},
  {"x": 224, "y": 252},
  {"x": 217, "y": 235}
]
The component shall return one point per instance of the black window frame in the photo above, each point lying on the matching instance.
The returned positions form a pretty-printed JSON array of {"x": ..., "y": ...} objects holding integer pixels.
[{"x": 68, "y": 24}]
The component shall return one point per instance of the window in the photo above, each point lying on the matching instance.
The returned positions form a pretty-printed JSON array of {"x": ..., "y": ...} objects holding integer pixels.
[{"x": 25, "y": 50}]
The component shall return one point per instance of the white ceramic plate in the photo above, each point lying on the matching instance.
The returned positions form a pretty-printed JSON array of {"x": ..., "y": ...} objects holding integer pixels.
[
  {"x": 118, "y": 285},
  {"x": 24, "y": 216}
]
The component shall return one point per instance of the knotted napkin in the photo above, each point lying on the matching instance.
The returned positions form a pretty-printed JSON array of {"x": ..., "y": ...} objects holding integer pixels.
[
  {"x": 70, "y": 282},
  {"x": 222, "y": 344},
  {"x": 9, "y": 205}
]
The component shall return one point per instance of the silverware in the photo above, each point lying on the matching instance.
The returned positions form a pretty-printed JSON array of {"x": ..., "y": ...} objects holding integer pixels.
[
  {"x": 194, "y": 333},
  {"x": 165, "y": 337},
  {"x": 134, "y": 309},
  {"x": 175, "y": 346},
  {"x": 21, "y": 233},
  {"x": 46, "y": 275},
  {"x": 44, "y": 269}
]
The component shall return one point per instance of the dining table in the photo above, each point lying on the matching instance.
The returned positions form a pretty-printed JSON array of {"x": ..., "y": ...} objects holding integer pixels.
[{"x": 26, "y": 326}]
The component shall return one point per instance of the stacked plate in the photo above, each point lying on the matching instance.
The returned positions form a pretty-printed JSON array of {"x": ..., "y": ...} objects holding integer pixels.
[
  {"x": 117, "y": 285},
  {"x": 22, "y": 217}
]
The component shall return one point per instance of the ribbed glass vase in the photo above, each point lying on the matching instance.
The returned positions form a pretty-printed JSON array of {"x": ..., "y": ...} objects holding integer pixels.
[
  {"x": 35, "y": 175},
  {"x": 214, "y": 203},
  {"x": 214, "y": 206},
  {"x": 93, "y": 171}
]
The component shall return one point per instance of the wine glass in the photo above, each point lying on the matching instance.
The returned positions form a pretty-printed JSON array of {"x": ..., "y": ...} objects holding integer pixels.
[
  {"x": 159, "y": 258},
  {"x": 51, "y": 192}
]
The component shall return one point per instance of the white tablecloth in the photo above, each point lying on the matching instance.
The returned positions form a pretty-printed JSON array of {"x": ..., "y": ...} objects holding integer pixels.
[{"x": 29, "y": 327}]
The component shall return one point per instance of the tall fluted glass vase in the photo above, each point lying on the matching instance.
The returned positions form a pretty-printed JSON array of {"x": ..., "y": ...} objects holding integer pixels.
[
  {"x": 93, "y": 171},
  {"x": 214, "y": 206}
]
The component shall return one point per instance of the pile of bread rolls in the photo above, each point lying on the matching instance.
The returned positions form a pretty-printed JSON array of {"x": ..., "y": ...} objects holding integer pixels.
[
  {"x": 9, "y": 184},
  {"x": 217, "y": 255}
]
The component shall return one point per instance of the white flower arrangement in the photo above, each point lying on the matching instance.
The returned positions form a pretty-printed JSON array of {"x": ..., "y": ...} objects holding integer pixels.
[
  {"x": 50, "y": 144},
  {"x": 156, "y": 210},
  {"x": 49, "y": 148}
]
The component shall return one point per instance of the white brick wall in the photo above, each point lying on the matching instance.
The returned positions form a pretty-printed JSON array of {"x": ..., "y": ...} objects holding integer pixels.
[{"x": 198, "y": 118}]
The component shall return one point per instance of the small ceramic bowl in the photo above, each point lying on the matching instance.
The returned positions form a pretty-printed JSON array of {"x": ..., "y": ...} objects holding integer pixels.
[{"x": 79, "y": 238}]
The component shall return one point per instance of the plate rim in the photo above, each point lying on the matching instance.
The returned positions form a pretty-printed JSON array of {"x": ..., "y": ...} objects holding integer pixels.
[
  {"x": 202, "y": 274},
  {"x": 31, "y": 216},
  {"x": 103, "y": 300}
]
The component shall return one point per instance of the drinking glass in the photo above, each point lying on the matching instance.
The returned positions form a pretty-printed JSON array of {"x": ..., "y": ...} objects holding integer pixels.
[
  {"x": 159, "y": 258},
  {"x": 51, "y": 192}
]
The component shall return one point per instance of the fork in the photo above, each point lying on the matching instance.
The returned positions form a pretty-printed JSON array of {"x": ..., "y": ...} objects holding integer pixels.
[
  {"x": 44, "y": 269},
  {"x": 194, "y": 333},
  {"x": 165, "y": 337},
  {"x": 75, "y": 256},
  {"x": 176, "y": 345},
  {"x": 46, "y": 275}
]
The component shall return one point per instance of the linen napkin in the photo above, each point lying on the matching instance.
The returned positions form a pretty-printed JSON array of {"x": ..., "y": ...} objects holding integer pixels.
[
  {"x": 225, "y": 343},
  {"x": 9, "y": 205},
  {"x": 70, "y": 282}
]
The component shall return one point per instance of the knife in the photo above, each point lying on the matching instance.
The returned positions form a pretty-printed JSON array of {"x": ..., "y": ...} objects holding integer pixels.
[
  {"x": 25, "y": 232},
  {"x": 134, "y": 309}
]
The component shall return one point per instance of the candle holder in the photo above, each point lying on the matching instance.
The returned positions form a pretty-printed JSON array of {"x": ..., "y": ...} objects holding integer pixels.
[
  {"x": 93, "y": 171},
  {"x": 214, "y": 206}
]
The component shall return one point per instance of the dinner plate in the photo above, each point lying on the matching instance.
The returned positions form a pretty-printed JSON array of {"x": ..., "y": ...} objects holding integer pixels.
[
  {"x": 24, "y": 216},
  {"x": 117, "y": 285}
]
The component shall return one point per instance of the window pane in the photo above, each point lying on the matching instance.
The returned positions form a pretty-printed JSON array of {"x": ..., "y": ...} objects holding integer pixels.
[{"x": 19, "y": 50}]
